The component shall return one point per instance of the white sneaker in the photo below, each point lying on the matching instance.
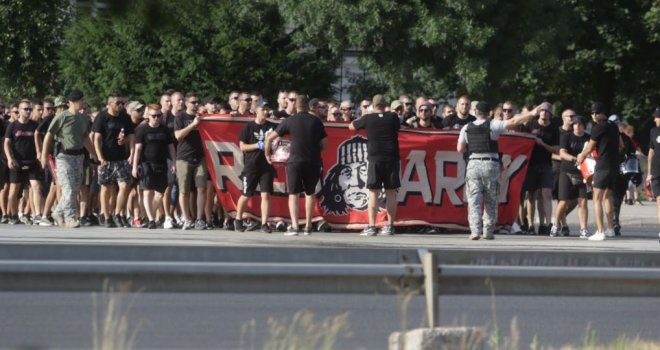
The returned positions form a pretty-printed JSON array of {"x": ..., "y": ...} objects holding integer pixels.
[
  {"x": 598, "y": 236},
  {"x": 609, "y": 233},
  {"x": 188, "y": 225},
  {"x": 554, "y": 231},
  {"x": 168, "y": 223},
  {"x": 515, "y": 229}
]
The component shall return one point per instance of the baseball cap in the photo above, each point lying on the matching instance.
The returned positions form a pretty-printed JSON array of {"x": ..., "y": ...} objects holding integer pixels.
[
  {"x": 396, "y": 104},
  {"x": 59, "y": 101},
  {"x": 74, "y": 95},
  {"x": 598, "y": 108},
  {"x": 135, "y": 105},
  {"x": 656, "y": 113},
  {"x": 482, "y": 107},
  {"x": 546, "y": 106},
  {"x": 614, "y": 118}
]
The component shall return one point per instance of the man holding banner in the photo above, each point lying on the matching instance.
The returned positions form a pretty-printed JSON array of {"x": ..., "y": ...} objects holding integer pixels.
[
  {"x": 383, "y": 168},
  {"x": 482, "y": 177},
  {"x": 303, "y": 168}
]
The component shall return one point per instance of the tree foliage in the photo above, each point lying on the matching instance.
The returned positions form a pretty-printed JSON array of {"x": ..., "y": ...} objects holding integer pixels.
[
  {"x": 209, "y": 47},
  {"x": 30, "y": 38},
  {"x": 568, "y": 51}
]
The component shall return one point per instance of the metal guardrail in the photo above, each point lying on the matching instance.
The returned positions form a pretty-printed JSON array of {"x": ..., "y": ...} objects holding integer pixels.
[{"x": 381, "y": 272}]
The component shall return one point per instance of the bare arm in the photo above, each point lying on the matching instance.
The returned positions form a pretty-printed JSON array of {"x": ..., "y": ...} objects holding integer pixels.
[
  {"x": 182, "y": 133},
  {"x": 136, "y": 161},
  {"x": 648, "y": 163},
  {"x": 461, "y": 147},
  {"x": 521, "y": 118},
  {"x": 267, "y": 144},
  {"x": 44, "y": 152},
  {"x": 564, "y": 155},
  {"x": 10, "y": 158},
  {"x": 38, "y": 143},
  {"x": 324, "y": 144},
  {"x": 131, "y": 147},
  {"x": 351, "y": 126},
  {"x": 98, "y": 139},
  {"x": 247, "y": 147}
]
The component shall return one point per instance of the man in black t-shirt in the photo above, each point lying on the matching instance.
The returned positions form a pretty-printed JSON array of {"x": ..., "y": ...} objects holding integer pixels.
[
  {"x": 462, "y": 115},
  {"x": 605, "y": 137},
  {"x": 383, "y": 170},
  {"x": 166, "y": 103},
  {"x": 191, "y": 168},
  {"x": 22, "y": 161},
  {"x": 303, "y": 168},
  {"x": 154, "y": 146},
  {"x": 256, "y": 170},
  {"x": 50, "y": 179},
  {"x": 114, "y": 141},
  {"x": 653, "y": 176},
  {"x": 538, "y": 182}
]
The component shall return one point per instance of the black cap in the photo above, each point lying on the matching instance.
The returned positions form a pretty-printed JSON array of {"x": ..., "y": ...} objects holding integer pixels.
[
  {"x": 578, "y": 119},
  {"x": 656, "y": 114},
  {"x": 483, "y": 107},
  {"x": 598, "y": 108},
  {"x": 74, "y": 95}
]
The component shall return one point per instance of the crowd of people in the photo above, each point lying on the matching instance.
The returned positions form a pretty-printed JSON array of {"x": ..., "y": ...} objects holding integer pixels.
[{"x": 137, "y": 164}]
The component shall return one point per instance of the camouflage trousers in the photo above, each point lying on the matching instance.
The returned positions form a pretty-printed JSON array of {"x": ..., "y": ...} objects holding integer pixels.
[
  {"x": 482, "y": 186},
  {"x": 69, "y": 170}
]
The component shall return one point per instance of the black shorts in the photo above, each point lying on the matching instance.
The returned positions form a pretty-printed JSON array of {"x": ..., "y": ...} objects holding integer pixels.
[
  {"x": 555, "y": 181},
  {"x": 655, "y": 186},
  {"x": 4, "y": 172},
  {"x": 263, "y": 179},
  {"x": 22, "y": 174},
  {"x": 302, "y": 177},
  {"x": 383, "y": 174},
  {"x": 153, "y": 177},
  {"x": 539, "y": 176},
  {"x": 568, "y": 191},
  {"x": 605, "y": 178}
]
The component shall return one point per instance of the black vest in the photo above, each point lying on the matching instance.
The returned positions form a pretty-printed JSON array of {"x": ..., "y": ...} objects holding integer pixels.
[{"x": 479, "y": 139}]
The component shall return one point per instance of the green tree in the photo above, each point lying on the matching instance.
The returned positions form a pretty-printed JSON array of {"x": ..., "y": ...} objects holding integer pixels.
[
  {"x": 568, "y": 51},
  {"x": 210, "y": 47},
  {"x": 30, "y": 38}
]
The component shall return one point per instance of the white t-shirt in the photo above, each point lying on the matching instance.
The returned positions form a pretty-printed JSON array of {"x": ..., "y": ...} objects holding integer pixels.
[{"x": 497, "y": 127}]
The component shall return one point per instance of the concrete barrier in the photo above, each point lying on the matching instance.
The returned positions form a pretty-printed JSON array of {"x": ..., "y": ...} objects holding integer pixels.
[{"x": 439, "y": 338}]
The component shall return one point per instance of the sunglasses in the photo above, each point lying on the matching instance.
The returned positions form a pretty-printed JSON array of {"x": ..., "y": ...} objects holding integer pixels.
[
  {"x": 247, "y": 99},
  {"x": 291, "y": 99},
  {"x": 14, "y": 112},
  {"x": 408, "y": 103},
  {"x": 347, "y": 109},
  {"x": 48, "y": 108},
  {"x": 194, "y": 102},
  {"x": 336, "y": 114},
  {"x": 26, "y": 109},
  {"x": 507, "y": 110}
]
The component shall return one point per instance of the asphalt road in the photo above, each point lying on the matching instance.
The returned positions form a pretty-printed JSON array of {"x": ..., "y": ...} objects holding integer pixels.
[{"x": 206, "y": 321}]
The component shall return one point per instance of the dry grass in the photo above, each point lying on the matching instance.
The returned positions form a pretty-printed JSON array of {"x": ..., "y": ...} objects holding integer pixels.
[
  {"x": 301, "y": 332},
  {"x": 110, "y": 318}
]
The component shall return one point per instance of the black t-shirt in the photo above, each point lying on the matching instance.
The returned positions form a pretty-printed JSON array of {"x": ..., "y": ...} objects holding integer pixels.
[
  {"x": 190, "y": 147},
  {"x": 3, "y": 129},
  {"x": 110, "y": 127},
  {"x": 281, "y": 114},
  {"x": 383, "y": 135},
  {"x": 550, "y": 135},
  {"x": 255, "y": 161},
  {"x": 43, "y": 129},
  {"x": 654, "y": 144},
  {"x": 454, "y": 122},
  {"x": 22, "y": 141},
  {"x": 574, "y": 145},
  {"x": 306, "y": 131},
  {"x": 155, "y": 143},
  {"x": 606, "y": 133},
  {"x": 556, "y": 164}
]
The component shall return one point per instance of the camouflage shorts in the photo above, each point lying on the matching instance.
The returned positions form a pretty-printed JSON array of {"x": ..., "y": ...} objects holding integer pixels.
[{"x": 115, "y": 171}]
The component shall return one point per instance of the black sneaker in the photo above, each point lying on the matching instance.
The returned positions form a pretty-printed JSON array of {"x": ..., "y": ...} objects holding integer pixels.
[
  {"x": 323, "y": 226},
  {"x": 152, "y": 225},
  {"x": 116, "y": 220},
  {"x": 308, "y": 230},
  {"x": 101, "y": 220},
  {"x": 531, "y": 230},
  {"x": 109, "y": 222},
  {"x": 617, "y": 230},
  {"x": 251, "y": 225},
  {"x": 85, "y": 222},
  {"x": 292, "y": 231},
  {"x": 565, "y": 231},
  {"x": 5, "y": 219},
  {"x": 13, "y": 220},
  {"x": 229, "y": 224},
  {"x": 125, "y": 221},
  {"x": 265, "y": 228},
  {"x": 238, "y": 226},
  {"x": 281, "y": 226},
  {"x": 543, "y": 230}
]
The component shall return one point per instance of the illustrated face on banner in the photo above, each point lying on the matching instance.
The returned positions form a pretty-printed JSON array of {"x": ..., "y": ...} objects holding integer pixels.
[{"x": 345, "y": 186}]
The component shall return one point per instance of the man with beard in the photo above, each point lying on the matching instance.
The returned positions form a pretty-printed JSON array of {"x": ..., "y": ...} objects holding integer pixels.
[
  {"x": 257, "y": 170},
  {"x": 605, "y": 137},
  {"x": 383, "y": 170},
  {"x": 462, "y": 115}
]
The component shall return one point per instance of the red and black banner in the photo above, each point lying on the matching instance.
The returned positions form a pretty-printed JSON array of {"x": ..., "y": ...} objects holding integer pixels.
[{"x": 432, "y": 176}]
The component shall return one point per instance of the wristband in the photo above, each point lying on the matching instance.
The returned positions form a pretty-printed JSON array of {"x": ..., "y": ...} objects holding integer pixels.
[{"x": 260, "y": 145}]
